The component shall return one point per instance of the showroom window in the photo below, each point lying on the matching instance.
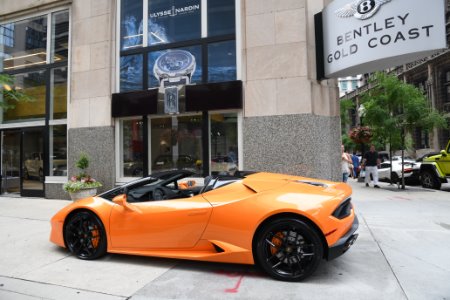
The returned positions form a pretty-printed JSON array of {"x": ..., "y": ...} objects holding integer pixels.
[
  {"x": 224, "y": 143},
  {"x": 132, "y": 154},
  {"x": 169, "y": 25},
  {"x": 34, "y": 53},
  {"x": 167, "y": 46},
  {"x": 171, "y": 21},
  {"x": 176, "y": 143}
]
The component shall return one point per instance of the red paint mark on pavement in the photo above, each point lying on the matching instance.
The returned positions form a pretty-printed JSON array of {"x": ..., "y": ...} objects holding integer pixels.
[{"x": 239, "y": 275}]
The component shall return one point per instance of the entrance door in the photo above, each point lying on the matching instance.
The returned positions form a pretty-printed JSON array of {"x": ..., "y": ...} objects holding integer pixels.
[
  {"x": 10, "y": 159},
  {"x": 32, "y": 162}
]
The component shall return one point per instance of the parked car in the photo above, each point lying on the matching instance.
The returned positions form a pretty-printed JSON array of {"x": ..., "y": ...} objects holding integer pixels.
[
  {"x": 435, "y": 170},
  {"x": 285, "y": 224},
  {"x": 385, "y": 173},
  {"x": 165, "y": 162},
  {"x": 223, "y": 164}
]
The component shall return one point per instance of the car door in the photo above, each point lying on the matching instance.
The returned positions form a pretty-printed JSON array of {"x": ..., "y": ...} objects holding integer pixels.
[
  {"x": 444, "y": 161},
  {"x": 164, "y": 224},
  {"x": 384, "y": 171}
]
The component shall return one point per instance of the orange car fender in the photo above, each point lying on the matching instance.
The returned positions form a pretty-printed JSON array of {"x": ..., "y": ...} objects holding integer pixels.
[{"x": 98, "y": 206}]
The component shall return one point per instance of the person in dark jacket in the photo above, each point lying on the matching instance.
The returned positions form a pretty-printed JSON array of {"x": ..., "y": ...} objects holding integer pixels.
[{"x": 371, "y": 162}]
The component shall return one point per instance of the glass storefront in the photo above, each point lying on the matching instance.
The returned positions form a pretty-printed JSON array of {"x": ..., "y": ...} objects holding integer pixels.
[
  {"x": 25, "y": 44},
  {"x": 167, "y": 47},
  {"x": 176, "y": 143},
  {"x": 131, "y": 24},
  {"x": 34, "y": 53},
  {"x": 132, "y": 148},
  {"x": 176, "y": 25},
  {"x": 224, "y": 143},
  {"x": 171, "y": 21}
]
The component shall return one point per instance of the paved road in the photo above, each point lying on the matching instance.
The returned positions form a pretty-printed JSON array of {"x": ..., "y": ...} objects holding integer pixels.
[{"x": 402, "y": 253}]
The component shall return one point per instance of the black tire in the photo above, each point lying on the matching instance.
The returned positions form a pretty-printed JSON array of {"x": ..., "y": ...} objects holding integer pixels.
[
  {"x": 429, "y": 181},
  {"x": 84, "y": 235},
  {"x": 288, "y": 249}
]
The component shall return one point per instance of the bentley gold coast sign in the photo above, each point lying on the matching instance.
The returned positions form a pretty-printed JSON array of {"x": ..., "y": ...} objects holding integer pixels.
[{"x": 367, "y": 35}]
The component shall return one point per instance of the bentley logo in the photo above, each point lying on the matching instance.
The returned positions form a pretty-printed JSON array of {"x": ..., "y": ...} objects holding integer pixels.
[{"x": 360, "y": 9}]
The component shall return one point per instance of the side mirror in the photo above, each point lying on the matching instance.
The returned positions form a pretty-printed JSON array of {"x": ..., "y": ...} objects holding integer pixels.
[
  {"x": 120, "y": 200},
  {"x": 444, "y": 153}
]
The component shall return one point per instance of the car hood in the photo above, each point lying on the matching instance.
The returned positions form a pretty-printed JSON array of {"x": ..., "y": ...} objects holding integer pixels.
[{"x": 261, "y": 182}]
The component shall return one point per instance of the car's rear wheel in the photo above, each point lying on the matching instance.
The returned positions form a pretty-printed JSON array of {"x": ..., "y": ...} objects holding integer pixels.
[
  {"x": 85, "y": 236},
  {"x": 430, "y": 181},
  {"x": 288, "y": 249}
]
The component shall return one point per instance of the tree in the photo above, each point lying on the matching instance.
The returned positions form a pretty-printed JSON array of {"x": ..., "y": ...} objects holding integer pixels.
[
  {"x": 393, "y": 108},
  {"x": 8, "y": 95}
]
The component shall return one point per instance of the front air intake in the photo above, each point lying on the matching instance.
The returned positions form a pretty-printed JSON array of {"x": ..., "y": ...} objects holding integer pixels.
[{"x": 344, "y": 209}]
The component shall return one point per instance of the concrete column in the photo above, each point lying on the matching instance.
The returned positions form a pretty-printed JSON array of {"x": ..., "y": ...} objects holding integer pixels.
[{"x": 291, "y": 121}]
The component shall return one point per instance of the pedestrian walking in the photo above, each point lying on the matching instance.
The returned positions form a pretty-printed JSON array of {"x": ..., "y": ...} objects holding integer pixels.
[{"x": 371, "y": 162}]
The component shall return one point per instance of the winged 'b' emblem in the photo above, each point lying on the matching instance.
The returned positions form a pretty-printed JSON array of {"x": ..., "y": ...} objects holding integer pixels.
[{"x": 360, "y": 9}]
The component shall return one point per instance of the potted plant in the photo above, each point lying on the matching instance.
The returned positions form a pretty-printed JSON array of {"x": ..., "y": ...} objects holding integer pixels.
[
  {"x": 361, "y": 134},
  {"x": 82, "y": 185}
]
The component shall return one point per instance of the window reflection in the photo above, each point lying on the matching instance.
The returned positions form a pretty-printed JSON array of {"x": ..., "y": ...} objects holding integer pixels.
[
  {"x": 60, "y": 36},
  {"x": 221, "y": 17},
  {"x": 131, "y": 73},
  {"x": 23, "y": 44},
  {"x": 173, "y": 21},
  {"x": 133, "y": 148},
  {"x": 58, "y": 93},
  {"x": 131, "y": 24},
  {"x": 58, "y": 150},
  {"x": 34, "y": 86},
  {"x": 222, "y": 61},
  {"x": 224, "y": 141},
  {"x": 176, "y": 143}
]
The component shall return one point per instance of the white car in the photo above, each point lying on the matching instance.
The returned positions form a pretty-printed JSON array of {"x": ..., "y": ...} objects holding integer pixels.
[{"x": 384, "y": 172}]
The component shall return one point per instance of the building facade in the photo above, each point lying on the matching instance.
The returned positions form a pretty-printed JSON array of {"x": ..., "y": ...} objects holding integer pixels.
[
  {"x": 150, "y": 85},
  {"x": 432, "y": 76}
]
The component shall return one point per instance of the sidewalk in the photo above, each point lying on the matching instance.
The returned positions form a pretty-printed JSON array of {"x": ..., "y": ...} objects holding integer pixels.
[{"x": 402, "y": 253}]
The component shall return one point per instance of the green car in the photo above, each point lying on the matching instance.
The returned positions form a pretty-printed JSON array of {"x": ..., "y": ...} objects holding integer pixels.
[{"x": 435, "y": 170}]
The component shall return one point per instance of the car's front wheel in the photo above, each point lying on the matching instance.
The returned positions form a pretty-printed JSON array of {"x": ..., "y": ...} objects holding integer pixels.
[
  {"x": 288, "y": 249},
  {"x": 430, "y": 181},
  {"x": 85, "y": 236}
]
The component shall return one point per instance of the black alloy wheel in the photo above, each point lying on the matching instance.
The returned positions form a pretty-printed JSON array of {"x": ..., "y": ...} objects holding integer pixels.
[
  {"x": 429, "y": 181},
  {"x": 85, "y": 235},
  {"x": 288, "y": 249}
]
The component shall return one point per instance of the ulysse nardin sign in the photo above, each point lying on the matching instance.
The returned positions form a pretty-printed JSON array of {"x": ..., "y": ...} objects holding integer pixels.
[{"x": 367, "y": 35}]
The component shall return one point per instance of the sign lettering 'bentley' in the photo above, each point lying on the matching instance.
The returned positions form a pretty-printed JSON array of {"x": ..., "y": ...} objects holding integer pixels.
[
  {"x": 361, "y": 36},
  {"x": 360, "y": 9}
]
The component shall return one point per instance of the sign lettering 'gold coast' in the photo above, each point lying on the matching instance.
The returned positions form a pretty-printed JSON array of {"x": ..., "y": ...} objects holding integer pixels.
[{"x": 367, "y": 35}]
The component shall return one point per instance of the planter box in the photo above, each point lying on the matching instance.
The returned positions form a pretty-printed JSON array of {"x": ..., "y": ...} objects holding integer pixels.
[{"x": 81, "y": 194}]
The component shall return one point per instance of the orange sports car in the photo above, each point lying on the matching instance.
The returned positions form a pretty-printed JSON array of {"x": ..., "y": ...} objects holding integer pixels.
[{"x": 286, "y": 224}]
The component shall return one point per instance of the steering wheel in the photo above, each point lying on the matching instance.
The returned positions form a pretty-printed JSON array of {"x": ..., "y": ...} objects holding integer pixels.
[{"x": 158, "y": 194}]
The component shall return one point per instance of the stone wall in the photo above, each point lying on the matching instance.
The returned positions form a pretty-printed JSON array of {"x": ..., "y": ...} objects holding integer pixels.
[{"x": 303, "y": 145}]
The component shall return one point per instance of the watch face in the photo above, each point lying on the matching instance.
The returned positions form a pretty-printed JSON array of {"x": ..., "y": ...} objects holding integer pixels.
[{"x": 175, "y": 62}]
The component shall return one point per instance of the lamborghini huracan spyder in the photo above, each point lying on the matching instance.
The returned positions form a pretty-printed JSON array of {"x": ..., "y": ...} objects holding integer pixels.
[{"x": 285, "y": 224}]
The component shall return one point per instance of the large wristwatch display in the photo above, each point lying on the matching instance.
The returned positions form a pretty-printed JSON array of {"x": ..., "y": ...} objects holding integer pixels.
[{"x": 174, "y": 67}]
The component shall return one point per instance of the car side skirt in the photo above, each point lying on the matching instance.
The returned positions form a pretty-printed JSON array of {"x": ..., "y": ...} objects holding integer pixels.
[{"x": 205, "y": 250}]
